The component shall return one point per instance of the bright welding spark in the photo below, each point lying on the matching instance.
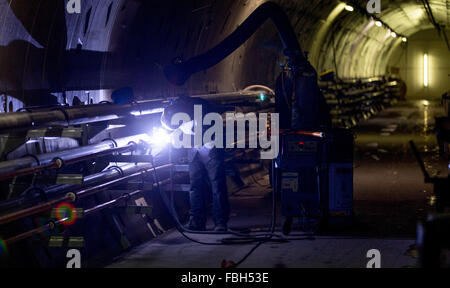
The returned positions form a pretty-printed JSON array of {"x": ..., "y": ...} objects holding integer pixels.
[{"x": 160, "y": 137}]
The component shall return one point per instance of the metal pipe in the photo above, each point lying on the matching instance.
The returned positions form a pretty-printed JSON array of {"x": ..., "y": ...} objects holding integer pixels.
[
  {"x": 61, "y": 116},
  {"x": 121, "y": 198},
  {"x": 35, "y": 209},
  {"x": 52, "y": 225},
  {"x": 54, "y": 160},
  {"x": 38, "y": 230},
  {"x": 178, "y": 73},
  {"x": 74, "y": 196},
  {"x": 57, "y": 163},
  {"x": 108, "y": 174},
  {"x": 110, "y": 203},
  {"x": 70, "y": 116},
  {"x": 246, "y": 93},
  {"x": 90, "y": 191}
]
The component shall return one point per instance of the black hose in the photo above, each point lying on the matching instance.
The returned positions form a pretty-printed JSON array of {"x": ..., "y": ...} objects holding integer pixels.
[
  {"x": 178, "y": 73},
  {"x": 240, "y": 239}
]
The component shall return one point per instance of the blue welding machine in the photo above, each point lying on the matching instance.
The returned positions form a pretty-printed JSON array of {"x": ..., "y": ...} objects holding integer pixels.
[{"x": 315, "y": 176}]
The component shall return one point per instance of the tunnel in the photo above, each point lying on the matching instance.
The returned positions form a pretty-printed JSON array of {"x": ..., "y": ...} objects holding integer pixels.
[{"x": 361, "y": 90}]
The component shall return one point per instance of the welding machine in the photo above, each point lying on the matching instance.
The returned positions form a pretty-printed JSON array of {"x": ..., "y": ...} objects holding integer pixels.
[{"x": 315, "y": 174}]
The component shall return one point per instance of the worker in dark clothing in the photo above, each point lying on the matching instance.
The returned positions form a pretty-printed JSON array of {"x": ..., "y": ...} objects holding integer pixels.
[{"x": 206, "y": 163}]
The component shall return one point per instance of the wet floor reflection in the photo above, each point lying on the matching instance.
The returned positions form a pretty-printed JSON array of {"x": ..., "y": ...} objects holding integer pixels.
[{"x": 390, "y": 193}]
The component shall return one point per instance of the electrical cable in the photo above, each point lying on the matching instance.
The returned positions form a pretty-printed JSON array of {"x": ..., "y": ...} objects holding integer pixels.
[
  {"x": 241, "y": 239},
  {"x": 257, "y": 182}
]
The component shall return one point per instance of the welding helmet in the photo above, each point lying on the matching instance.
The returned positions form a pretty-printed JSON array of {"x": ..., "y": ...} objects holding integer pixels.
[
  {"x": 175, "y": 106},
  {"x": 167, "y": 115},
  {"x": 183, "y": 104}
]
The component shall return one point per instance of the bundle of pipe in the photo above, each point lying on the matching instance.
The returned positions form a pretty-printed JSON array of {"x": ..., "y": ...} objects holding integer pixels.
[
  {"x": 69, "y": 116},
  {"x": 61, "y": 116},
  {"x": 51, "y": 225},
  {"x": 111, "y": 173},
  {"x": 77, "y": 194},
  {"x": 34, "y": 163}
]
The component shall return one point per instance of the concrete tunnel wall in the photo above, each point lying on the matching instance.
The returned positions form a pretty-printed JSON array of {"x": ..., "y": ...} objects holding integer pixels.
[
  {"x": 149, "y": 34},
  {"x": 191, "y": 28}
]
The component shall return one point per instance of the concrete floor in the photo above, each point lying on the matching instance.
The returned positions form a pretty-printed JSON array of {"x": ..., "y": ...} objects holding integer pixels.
[{"x": 390, "y": 197}]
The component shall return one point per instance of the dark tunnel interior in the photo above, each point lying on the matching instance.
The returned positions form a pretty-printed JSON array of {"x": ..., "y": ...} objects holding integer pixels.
[{"x": 362, "y": 157}]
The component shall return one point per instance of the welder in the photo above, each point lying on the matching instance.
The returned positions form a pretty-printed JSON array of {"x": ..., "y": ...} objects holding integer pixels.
[{"x": 205, "y": 163}]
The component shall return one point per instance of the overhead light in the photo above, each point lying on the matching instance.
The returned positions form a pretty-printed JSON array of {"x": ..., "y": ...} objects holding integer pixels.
[
  {"x": 378, "y": 23},
  {"x": 425, "y": 70},
  {"x": 349, "y": 8},
  {"x": 394, "y": 35},
  {"x": 404, "y": 39}
]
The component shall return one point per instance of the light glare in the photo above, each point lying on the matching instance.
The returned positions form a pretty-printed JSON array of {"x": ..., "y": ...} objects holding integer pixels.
[
  {"x": 349, "y": 8},
  {"x": 425, "y": 70},
  {"x": 160, "y": 137}
]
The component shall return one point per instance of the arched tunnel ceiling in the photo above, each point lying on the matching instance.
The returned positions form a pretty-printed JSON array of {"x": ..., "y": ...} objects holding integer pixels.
[
  {"x": 355, "y": 47},
  {"x": 409, "y": 16},
  {"x": 148, "y": 34}
]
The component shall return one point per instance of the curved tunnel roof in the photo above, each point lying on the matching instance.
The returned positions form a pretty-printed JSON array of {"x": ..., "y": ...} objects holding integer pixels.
[
  {"x": 409, "y": 17},
  {"x": 149, "y": 34}
]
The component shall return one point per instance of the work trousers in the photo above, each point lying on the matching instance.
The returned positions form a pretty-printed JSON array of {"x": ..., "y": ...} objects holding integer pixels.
[{"x": 207, "y": 165}]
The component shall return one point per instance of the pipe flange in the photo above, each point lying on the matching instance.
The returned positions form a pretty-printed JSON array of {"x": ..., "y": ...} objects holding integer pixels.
[
  {"x": 51, "y": 225},
  {"x": 72, "y": 196},
  {"x": 58, "y": 162}
]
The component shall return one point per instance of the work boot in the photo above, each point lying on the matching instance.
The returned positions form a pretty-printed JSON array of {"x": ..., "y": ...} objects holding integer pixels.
[
  {"x": 195, "y": 226},
  {"x": 221, "y": 228}
]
